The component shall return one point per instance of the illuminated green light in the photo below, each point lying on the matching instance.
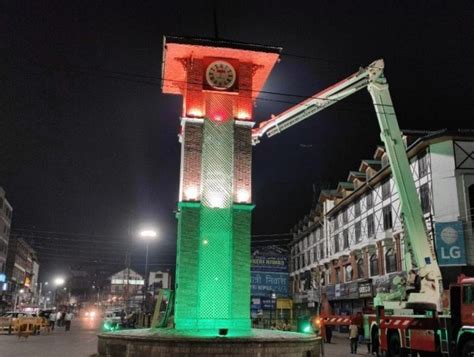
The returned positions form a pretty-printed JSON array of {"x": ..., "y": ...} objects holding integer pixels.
[{"x": 307, "y": 329}]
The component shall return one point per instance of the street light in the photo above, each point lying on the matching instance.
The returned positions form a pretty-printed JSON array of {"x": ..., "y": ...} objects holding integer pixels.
[
  {"x": 148, "y": 235},
  {"x": 58, "y": 281}
]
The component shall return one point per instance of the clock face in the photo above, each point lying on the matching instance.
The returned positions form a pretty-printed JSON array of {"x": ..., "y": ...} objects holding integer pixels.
[{"x": 220, "y": 75}]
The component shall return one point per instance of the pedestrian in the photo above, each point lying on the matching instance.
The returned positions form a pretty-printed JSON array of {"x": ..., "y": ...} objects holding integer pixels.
[
  {"x": 328, "y": 331},
  {"x": 353, "y": 336},
  {"x": 52, "y": 320},
  {"x": 59, "y": 316},
  {"x": 67, "y": 320}
]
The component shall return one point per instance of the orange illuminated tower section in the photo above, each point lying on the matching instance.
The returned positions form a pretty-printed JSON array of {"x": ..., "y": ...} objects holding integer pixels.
[{"x": 219, "y": 81}]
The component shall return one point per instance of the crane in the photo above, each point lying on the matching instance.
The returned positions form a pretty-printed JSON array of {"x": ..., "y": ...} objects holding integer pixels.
[{"x": 372, "y": 77}]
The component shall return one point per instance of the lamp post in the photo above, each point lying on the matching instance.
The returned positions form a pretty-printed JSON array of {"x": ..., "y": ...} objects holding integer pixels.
[
  {"x": 147, "y": 235},
  {"x": 41, "y": 298},
  {"x": 273, "y": 297},
  {"x": 58, "y": 281}
]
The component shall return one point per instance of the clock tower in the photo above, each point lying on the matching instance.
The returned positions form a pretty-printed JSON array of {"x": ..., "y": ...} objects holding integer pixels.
[{"x": 219, "y": 81}]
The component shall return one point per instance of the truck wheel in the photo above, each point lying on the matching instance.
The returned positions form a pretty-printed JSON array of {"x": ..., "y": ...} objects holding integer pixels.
[
  {"x": 468, "y": 349},
  {"x": 394, "y": 347}
]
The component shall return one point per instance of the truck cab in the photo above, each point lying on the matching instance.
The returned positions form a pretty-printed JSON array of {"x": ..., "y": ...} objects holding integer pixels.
[{"x": 461, "y": 296}]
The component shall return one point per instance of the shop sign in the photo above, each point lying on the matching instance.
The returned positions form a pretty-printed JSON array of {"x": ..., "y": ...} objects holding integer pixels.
[
  {"x": 450, "y": 247},
  {"x": 273, "y": 259},
  {"x": 337, "y": 291},
  {"x": 284, "y": 304},
  {"x": 256, "y": 304},
  {"x": 330, "y": 292},
  {"x": 266, "y": 283},
  {"x": 352, "y": 290},
  {"x": 3, "y": 278},
  {"x": 365, "y": 289},
  {"x": 268, "y": 303}
]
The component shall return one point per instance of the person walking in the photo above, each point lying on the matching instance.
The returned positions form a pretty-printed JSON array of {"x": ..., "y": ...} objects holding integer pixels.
[
  {"x": 52, "y": 320},
  {"x": 67, "y": 320},
  {"x": 353, "y": 336},
  {"x": 328, "y": 332}
]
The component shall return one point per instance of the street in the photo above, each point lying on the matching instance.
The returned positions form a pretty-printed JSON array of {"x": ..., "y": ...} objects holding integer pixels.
[
  {"x": 80, "y": 341},
  {"x": 340, "y": 347}
]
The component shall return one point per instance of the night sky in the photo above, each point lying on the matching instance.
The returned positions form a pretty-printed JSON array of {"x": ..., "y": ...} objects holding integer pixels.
[{"x": 88, "y": 145}]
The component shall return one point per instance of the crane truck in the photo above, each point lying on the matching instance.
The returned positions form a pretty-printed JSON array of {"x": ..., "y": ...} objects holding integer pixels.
[{"x": 398, "y": 325}]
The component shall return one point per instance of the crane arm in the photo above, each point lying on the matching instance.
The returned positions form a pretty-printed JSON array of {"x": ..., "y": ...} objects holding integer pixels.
[
  {"x": 372, "y": 78},
  {"x": 319, "y": 101}
]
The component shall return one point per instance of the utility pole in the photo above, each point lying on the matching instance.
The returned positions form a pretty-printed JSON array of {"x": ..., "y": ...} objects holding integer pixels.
[{"x": 127, "y": 284}]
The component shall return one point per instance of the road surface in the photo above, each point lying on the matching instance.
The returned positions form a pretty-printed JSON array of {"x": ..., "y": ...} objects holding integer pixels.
[{"x": 80, "y": 341}]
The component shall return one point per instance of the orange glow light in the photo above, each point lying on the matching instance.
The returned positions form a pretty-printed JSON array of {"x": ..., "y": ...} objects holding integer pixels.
[
  {"x": 242, "y": 115},
  {"x": 195, "y": 112}
]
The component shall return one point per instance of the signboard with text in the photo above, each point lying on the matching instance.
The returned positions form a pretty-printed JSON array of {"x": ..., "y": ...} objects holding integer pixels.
[
  {"x": 266, "y": 283},
  {"x": 450, "y": 247},
  {"x": 269, "y": 272}
]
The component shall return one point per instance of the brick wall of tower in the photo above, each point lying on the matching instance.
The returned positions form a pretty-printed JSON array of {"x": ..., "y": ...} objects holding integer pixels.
[
  {"x": 242, "y": 162},
  {"x": 191, "y": 160},
  {"x": 187, "y": 265},
  {"x": 242, "y": 215},
  {"x": 194, "y": 97},
  {"x": 244, "y": 107}
]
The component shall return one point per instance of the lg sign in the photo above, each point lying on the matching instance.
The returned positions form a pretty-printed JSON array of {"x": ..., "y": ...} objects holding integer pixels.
[
  {"x": 449, "y": 236},
  {"x": 450, "y": 243}
]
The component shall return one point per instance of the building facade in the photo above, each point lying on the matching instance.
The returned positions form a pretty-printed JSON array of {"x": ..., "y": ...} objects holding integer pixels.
[
  {"x": 353, "y": 244},
  {"x": 5, "y": 224},
  {"x": 125, "y": 289},
  {"x": 159, "y": 280},
  {"x": 20, "y": 271}
]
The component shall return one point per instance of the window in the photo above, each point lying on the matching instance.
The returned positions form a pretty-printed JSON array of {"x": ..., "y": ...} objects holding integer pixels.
[
  {"x": 344, "y": 216},
  {"x": 357, "y": 231},
  {"x": 338, "y": 273},
  {"x": 348, "y": 273},
  {"x": 370, "y": 225},
  {"x": 374, "y": 265},
  {"x": 425, "y": 198},
  {"x": 336, "y": 243},
  {"x": 386, "y": 190},
  {"x": 467, "y": 294},
  {"x": 345, "y": 236},
  {"x": 369, "y": 200},
  {"x": 357, "y": 208},
  {"x": 336, "y": 223},
  {"x": 422, "y": 165},
  {"x": 360, "y": 268},
  {"x": 387, "y": 217},
  {"x": 390, "y": 261}
]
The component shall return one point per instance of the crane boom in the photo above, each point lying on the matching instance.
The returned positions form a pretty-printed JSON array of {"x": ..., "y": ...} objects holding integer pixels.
[
  {"x": 372, "y": 78},
  {"x": 319, "y": 101}
]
